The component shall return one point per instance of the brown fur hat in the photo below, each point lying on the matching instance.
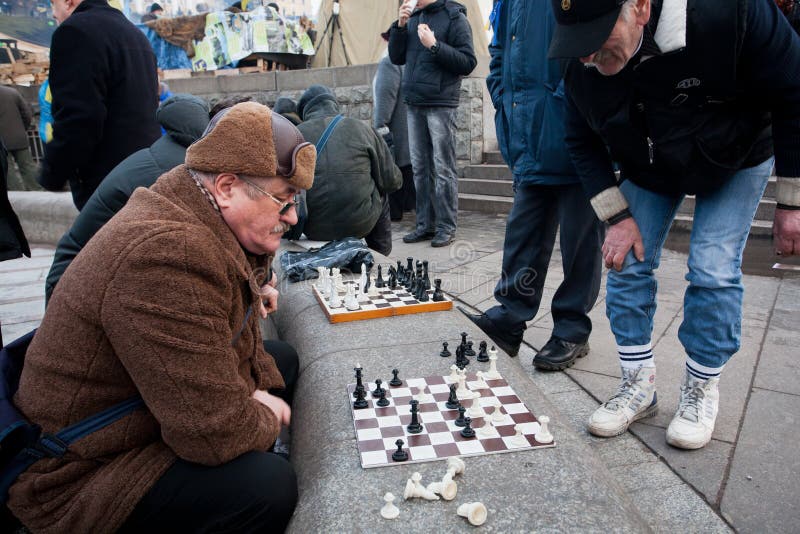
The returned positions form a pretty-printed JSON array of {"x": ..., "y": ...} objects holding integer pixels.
[{"x": 250, "y": 139}]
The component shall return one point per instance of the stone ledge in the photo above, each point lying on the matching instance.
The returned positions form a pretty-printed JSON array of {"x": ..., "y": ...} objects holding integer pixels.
[
  {"x": 45, "y": 216},
  {"x": 564, "y": 488}
]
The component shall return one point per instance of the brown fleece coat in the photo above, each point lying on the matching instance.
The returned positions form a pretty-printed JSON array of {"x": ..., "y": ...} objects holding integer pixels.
[{"x": 150, "y": 306}]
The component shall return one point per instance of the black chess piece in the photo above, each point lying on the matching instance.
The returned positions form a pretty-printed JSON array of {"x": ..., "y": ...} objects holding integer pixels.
[
  {"x": 414, "y": 427},
  {"x": 410, "y": 266},
  {"x": 379, "y": 281},
  {"x": 470, "y": 352},
  {"x": 438, "y": 296},
  {"x": 464, "y": 339},
  {"x": 392, "y": 278},
  {"x": 460, "y": 419},
  {"x": 425, "y": 276},
  {"x": 445, "y": 353},
  {"x": 483, "y": 356},
  {"x": 377, "y": 391},
  {"x": 400, "y": 273},
  {"x": 395, "y": 381},
  {"x": 452, "y": 401},
  {"x": 399, "y": 455},
  {"x": 460, "y": 357},
  {"x": 411, "y": 281},
  {"x": 467, "y": 431},
  {"x": 383, "y": 402},
  {"x": 423, "y": 295},
  {"x": 359, "y": 384},
  {"x": 360, "y": 401}
]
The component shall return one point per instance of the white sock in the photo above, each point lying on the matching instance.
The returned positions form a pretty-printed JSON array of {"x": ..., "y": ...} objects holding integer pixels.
[
  {"x": 634, "y": 356},
  {"x": 702, "y": 372}
]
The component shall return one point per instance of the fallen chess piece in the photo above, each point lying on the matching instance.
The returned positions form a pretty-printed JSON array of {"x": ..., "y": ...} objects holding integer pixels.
[
  {"x": 447, "y": 488},
  {"x": 475, "y": 512},
  {"x": 543, "y": 435},
  {"x": 389, "y": 510},
  {"x": 456, "y": 465},
  {"x": 415, "y": 489},
  {"x": 518, "y": 439}
]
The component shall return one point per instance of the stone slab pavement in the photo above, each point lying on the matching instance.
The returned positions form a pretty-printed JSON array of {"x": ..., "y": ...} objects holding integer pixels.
[{"x": 744, "y": 480}]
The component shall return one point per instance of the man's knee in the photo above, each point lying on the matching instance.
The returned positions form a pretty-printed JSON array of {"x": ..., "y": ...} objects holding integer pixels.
[
  {"x": 285, "y": 357},
  {"x": 268, "y": 484}
]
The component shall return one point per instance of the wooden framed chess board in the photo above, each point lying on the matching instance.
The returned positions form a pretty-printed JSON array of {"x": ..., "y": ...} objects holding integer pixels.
[
  {"x": 377, "y": 429},
  {"x": 387, "y": 303}
]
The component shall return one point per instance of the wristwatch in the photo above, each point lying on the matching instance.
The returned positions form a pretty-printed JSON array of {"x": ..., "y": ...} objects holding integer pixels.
[{"x": 434, "y": 48}]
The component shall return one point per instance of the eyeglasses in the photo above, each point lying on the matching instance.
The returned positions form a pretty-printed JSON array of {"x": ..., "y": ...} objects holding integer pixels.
[{"x": 285, "y": 205}]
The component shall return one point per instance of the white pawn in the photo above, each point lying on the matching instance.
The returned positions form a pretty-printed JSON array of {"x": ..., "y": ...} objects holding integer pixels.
[
  {"x": 321, "y": 284},
  {"x": 544, "y": 435},
  {"x": 453, "y": 374},
  {"x": 336, "y": 301},
  {"x": 497, "y": 415},
  {"x": 492, "y": 374},
  {"x": 475, "y": 512},
  {"x": 350, "y": 300},
  {"x": 480, "y": 383},
  {"x": 424, "y": 395},
  {"x": 389, "y": 510},
  {"x": 518, "y": 440},
  {"x": 456, "y": 465},
  {"x": 373, "y": 290},
  {"x": 476, "y": 411},
  {"x": 487, "y": 430}
]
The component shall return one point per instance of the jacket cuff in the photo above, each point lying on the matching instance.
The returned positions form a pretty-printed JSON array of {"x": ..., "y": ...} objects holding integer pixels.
[
  {"x": 608, "y": 203},
  {"x": 788, "y": 192}
]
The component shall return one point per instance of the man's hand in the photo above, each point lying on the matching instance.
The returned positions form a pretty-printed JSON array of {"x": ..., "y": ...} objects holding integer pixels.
[
  {"x": 269, "y": 298},
  {"x": 426, "y": 35},
  {"x": 786, "y": 232},
  {"x": 405, "y": 13},
  {"x": 276, "y": 404},
  {"x": 620, "y": 238}
]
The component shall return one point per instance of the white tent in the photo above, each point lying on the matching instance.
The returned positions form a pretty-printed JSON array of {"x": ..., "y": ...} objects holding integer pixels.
[{"x": 356, "y": 31}]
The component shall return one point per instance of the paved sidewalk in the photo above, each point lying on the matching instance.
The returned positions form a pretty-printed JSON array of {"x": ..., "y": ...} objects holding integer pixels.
[{"x": 747, "y": 478}]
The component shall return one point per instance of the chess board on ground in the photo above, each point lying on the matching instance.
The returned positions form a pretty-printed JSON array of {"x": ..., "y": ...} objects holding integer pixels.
[
  {"x": 377, "y": 429},
  {"x": 387, "y": 303}
]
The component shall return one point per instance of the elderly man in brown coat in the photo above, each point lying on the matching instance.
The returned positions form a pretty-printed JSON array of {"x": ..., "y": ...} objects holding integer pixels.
[{"x": 159, "y": 304}]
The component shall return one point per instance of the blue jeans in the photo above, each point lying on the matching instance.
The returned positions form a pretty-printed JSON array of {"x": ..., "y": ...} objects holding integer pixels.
[
  {"x": 712, "y": 307},
  {"x": 431, "y": 140}
]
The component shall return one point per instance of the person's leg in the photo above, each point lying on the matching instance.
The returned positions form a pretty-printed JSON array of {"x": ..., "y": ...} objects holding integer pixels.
[
  {"x": 442, "y": 126},
  {"x": 380, "y": 237},
  {"x": 288, "y": 364},
  {"x": 419, "y": 142},
  {"x": 409, "y": 191},
  {"x": 27, "y": 169},
  {"x": 712, "y": 306},
  {"x": 13, "y": 176},
  {"x": 630, "y": 306},
  {"x": 256, "y": 492}
]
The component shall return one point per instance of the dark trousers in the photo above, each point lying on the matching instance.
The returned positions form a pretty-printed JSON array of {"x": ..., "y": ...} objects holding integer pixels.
[
  {"x": 256, "y": 492},
  {"x": 537, "y": 212},
  {"x": 380, "y": 237},
  {"x": 405, "y": 198}
]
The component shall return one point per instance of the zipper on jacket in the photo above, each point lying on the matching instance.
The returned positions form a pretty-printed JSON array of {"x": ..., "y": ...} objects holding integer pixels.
[{"x": 650, "y": 150}]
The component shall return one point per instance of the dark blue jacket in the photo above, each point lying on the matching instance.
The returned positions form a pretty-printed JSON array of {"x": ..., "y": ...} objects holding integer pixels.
[
  {"x": 528, "y": 94},
  {"x": 434, "y": 79}
]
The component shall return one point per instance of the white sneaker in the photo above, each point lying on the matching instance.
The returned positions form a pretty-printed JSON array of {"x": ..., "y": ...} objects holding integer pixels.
[
  {"x": 693, "y": 424},
  {"x": 635, "y": 399}
]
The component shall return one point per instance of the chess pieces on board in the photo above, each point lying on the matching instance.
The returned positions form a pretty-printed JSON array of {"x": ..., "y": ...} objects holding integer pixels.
[
  {"x": 438, "y": 296},
  {"x": 350, "y": 299},
  {"x": 483, "y": 356},
  {"x": 400, "y": 455},
  {"x": 492, "y": 374},
  {"x": 414, "y": 427},
  {"x": 518, "y": 439},
  {"x": 395, "y": 381}
]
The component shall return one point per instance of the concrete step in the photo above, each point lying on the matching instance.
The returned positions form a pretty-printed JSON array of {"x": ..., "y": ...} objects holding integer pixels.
[
  {"x": 493, "y": 157},
  {"x": 484, "y": 203},
  {"x": 771, "y": 186},
  {"x": 765, "y": 211},
  {"x": 487, "y": 172},
  {"x": 498, "y": 188}
]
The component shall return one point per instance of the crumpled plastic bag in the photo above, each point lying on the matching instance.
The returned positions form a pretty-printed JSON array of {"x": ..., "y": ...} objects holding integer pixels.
[{"x": 347, "y": 254}]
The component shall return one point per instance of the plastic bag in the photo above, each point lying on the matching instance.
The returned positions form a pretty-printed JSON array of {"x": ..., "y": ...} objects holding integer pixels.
[{"x": 347, "y": 254}]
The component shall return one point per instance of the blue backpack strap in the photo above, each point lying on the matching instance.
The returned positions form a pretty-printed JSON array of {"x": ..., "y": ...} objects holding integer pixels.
[{"x": 327, "y": 134}]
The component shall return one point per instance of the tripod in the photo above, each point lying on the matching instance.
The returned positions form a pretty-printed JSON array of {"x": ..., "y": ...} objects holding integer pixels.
[{"x": 332, "y": 26}]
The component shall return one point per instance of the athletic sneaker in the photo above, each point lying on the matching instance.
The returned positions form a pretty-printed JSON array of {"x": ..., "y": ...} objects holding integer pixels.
[
  {"x": 693, "y": 424},
  {"x": 635, "y": 399}
]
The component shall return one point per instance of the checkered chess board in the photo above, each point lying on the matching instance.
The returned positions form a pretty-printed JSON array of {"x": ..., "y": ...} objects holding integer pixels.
[
  {"x": 377, "y": 429},
  {"x": 386, "y": 303}
]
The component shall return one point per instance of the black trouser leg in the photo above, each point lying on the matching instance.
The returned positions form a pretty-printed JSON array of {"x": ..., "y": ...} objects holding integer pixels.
[
  {"x": 256, "y": 492},
  {"x": 380, "y": 237},
  {"x": 288, "y": 364}
]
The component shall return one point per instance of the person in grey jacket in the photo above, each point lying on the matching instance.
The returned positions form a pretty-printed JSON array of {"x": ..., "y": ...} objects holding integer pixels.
[
  {"x": 389, "y": 118},
  {"x": 15, "y": 117},
  {"x": 184, "y": 117},
  {"x": 354, "y": 174}
]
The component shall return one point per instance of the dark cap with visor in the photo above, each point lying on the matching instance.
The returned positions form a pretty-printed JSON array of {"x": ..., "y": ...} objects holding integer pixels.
[{"x": 582, "y": 26}]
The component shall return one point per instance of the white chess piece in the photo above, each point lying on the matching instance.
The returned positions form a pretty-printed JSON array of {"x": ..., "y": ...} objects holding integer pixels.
[
  {"x": 335, "y": 300},
  {"x": 362, "y": 282},
  {"x": 453, "y": 374},
  {"x": 518, "y": 440},
  {"x": 476, "y": 411},
  {"x": 456, "y": 465},
  {"x": 350, "y": 300},
  {"x": 415, "y": 489},
  {"x": 497, "y": 415},
  {"x": 321, "y": 285},
  {"x": 423, "y": 395},
  {"x": 487, "y": 430},
  {"x": 475, "y": 512},
  {"x": 492, "y": 374},
  {"x": 463, "y": 392},
  {"x": 373, "y": 289},
  {"x": 389, "y": 510},
  {"x": 543, "y": 435},
  {"x": 447, "y": 488},
  {"x": 481, "y": 383}
]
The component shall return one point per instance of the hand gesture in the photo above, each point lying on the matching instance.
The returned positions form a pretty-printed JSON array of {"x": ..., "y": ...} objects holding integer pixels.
[
  {"x": 786, "y": 232},
  {"x": 620, "y": 238},
  {"x": 405, "y": 13},
  {"x": 269, "y": 300},
  {"x": 426, "y": 35},
  {"x": 278, "y": 406}
]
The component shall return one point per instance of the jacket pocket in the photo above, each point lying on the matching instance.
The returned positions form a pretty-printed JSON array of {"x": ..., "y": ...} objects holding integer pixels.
[
  {"x": 551, "y": 152},
  {"x": 501, "y": 129}
]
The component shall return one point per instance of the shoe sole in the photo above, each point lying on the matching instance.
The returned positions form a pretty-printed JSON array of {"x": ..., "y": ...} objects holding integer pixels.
[
  {"x": 603, "y": 433},
  {"x": 420, "y": 240},
  {"x": 502, "y": 345},
  {"x": 550, "y": 366},
  {"x": 688, "y": 445},
  {"x": 437, "y": 245}
]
